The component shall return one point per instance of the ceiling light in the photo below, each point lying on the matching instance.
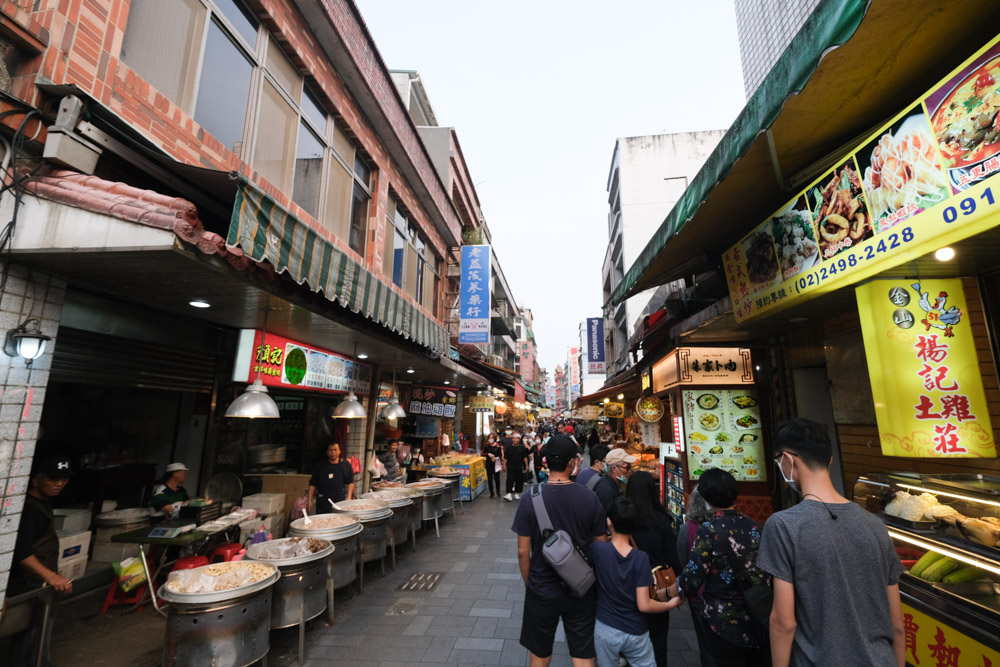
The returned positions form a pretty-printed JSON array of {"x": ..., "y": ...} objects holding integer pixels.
[
  {"x": 410, "y": 371},
  {"x": 199, "y": 303},
  {"x": 447, "y": 381},
  {"x": 621, "y": 396},
  {"x": 255, "y": 402},
  {"x": 393, "y": 410},
  {"x": 798, "y": 320},
  {"x": 26, "y": 341},
  {"x": 362, "y": 356},
  {"x": 607, "y": 400},
  {"x": 945, "y": 254}
]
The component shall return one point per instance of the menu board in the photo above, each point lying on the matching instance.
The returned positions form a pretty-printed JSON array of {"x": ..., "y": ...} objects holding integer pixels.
[{"x": 723, "y": 430}]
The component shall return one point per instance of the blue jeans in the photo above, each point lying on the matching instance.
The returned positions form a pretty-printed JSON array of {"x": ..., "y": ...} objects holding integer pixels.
[{"x": 610, "y": 643}]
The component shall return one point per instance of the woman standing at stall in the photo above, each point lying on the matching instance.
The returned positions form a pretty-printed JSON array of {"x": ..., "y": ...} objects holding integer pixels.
[{"x": 494, "y": 463}]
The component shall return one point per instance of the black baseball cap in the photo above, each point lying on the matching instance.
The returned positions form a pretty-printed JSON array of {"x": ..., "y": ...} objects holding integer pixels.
[
  {"x": 560, "y": 447},
  {"x": 54, "y": 467}
]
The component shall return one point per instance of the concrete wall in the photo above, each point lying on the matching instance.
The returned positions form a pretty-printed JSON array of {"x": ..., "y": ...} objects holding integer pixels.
[
  {"x": 765, "y": 29},
  {"x": 22, "y": 394}
]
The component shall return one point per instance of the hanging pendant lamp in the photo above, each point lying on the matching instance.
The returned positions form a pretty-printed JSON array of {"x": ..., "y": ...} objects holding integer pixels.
[
  {"x": 350, "y": 407},
  {"x": 393, "y": 410},
  {"x": 255, "y": 402}
]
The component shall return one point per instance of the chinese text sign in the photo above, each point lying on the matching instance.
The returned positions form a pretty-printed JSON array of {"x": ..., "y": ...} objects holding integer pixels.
[
  {"x": 595, "y": 345},
  {"x": 474, "y": 300}
]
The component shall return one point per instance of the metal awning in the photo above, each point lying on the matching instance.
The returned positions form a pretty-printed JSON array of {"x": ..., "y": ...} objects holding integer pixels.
[
  {"x": 853, "y": 65},
  {"x": 266, "y": 231}
]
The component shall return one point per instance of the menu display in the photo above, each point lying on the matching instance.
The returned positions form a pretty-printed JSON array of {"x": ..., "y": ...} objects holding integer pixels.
[{"x": 723, "y": 429}]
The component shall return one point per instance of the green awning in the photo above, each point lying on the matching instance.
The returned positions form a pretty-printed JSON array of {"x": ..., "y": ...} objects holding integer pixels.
[
  {"x": 830, "y": 25},
  {"x": 266, "y": 231}
]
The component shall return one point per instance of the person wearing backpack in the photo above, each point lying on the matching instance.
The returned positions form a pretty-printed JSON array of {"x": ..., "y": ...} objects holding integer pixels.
[
  {"x": 723, "y": 562},
  {"x": 575, "y": 513},
  {"x": 587, "y": 475}
]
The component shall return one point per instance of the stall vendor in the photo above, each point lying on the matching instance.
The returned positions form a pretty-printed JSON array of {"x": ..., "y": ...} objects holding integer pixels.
[
  {"x": 391, "y": 462},
  {"x": 332, "y": 479},
  {"x": 170, "y": 494},
  {"x": 36, "y": 552}
]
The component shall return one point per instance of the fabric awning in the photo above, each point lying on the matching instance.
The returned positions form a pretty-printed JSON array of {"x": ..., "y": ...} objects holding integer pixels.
[
  {"x": 852, "y": 66},
  {"x": 612, "y": 391},
  {"x": 263, "y": 230}
]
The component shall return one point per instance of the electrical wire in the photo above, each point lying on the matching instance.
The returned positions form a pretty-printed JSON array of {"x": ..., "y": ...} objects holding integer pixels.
[{"x": 12, "y": 181}]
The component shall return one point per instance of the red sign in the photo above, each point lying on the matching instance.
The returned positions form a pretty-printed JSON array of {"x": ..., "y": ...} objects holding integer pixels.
[
  {"x": 282, "y": 362},
  {"x": 518, "y": 392}
]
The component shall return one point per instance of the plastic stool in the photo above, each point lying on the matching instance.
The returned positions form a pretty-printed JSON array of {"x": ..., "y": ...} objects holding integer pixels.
[
  {"x": 117, "y": 596},
  {"x": 189, "y": 563},
  {"x": 226, "y": 552}
]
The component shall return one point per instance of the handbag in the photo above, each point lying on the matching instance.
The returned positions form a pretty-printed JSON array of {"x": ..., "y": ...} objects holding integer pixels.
[
  {"x": 663, "y": 577},
  {"x": 559, "y": 551},
  {"x": 758, "y": 597}
]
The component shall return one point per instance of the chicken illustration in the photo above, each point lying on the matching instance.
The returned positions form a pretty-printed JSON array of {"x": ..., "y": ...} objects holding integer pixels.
[{"x": 938, "y": 316}]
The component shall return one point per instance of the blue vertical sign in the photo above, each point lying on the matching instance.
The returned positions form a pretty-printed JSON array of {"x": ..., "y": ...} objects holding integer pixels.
[
  {"x": 595, "y": 345},
  {"x": 474, "y": 299}
]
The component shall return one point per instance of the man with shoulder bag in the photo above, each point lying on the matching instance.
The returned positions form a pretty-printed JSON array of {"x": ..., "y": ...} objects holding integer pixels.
[{"x": 549, "y": 545}]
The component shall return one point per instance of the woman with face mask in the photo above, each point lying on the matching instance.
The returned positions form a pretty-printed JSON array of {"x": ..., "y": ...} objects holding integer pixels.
[{"x": 494, "y": 463}]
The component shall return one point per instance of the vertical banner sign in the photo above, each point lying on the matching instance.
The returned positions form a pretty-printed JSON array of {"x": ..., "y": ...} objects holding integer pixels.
[
  {"x": 595, "y": 344},
  {"x": 474, "y": 300},
  {"x": 929, "y": 398}
]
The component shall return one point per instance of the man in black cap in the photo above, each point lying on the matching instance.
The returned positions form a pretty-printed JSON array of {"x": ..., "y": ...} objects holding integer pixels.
[
  {"x": 36, "y": 551},
  {"x": 575, "y": 509}
]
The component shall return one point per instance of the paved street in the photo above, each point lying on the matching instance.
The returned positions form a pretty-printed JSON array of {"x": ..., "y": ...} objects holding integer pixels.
[{"x": 472, "y": 617}]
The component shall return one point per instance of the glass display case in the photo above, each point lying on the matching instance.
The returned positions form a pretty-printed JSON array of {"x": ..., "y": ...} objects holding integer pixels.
[{"x": 946, "y": 531}]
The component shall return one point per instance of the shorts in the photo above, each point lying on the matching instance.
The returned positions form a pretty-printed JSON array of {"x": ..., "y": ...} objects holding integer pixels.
[{"x": 542, "y": 614}]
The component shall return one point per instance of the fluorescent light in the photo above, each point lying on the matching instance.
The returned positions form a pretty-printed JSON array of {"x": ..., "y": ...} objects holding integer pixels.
[
  {"x": 362, "y": 356},
  {"x": 944, "y": 552},
  {"x": 945, "y": 254},
  {"x": 949, "y": 494},
  {"x": 199, "y": 303},
  {"x": 447, "y": 381},
  {"x": 410, "y": 371}
]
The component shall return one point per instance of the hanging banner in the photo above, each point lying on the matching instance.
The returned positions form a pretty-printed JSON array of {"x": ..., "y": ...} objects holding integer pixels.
[
  {"x": 926, "y": 382},
  {"x": 922, "y": 181},
  {"x": 282, "y": 362},
  {"x": 433, "y": 401},
  {"x": 527, "y": 360},
  {"x": 474, "y": 295},
  {"x": 595, "y": 345}
]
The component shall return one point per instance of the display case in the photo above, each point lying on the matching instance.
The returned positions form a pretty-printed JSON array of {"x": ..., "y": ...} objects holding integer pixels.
[
  {"x": 673, "y": 490},
  {"x": 946, "y": 531}
]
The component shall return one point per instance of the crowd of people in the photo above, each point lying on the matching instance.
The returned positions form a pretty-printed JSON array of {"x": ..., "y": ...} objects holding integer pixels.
[{"x": 817, "y": 607}]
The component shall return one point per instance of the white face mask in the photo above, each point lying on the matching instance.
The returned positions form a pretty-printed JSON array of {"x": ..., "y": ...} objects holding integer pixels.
[{"x": 788, "y": 480}]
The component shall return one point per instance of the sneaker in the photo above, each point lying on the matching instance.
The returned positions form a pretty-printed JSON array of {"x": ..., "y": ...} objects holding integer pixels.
[
  {"x": 508, "y": 497},
  {"x": 517, "y": 496}
]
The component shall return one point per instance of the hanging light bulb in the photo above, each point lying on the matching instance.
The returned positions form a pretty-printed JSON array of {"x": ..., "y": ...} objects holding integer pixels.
[
  {"x": 255, "y": 402},
  {"x": 350, "y": 407},
  {"x": 393, "y": 410}
]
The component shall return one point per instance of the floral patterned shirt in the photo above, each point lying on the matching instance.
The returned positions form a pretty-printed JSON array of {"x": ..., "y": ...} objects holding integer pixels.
[{"x": 723, "y": 606}]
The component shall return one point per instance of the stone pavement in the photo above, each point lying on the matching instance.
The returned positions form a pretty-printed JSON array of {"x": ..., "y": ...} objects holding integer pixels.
[{"x": 471, "y": 617}]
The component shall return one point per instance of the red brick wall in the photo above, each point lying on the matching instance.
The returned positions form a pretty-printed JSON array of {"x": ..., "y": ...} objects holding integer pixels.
[{"x": 84, "y": 44}]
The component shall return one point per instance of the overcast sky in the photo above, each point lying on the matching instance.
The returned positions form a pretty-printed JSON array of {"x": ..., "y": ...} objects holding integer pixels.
[{"x": 538, "y": 92}]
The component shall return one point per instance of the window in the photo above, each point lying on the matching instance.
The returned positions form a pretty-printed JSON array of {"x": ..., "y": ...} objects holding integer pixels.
[
  {"x": 308, "y": 170},
  {"x": 275, "y": 146},
  {"x": 408, "y": 261},
  {"x": 359, "y": 217}
]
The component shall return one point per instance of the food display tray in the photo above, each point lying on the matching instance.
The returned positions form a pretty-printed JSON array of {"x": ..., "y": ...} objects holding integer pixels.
[
  {"x": 988, "y": 484},
  {"x": 983, "y": 595},
  {"x": 285, "y": 562},
  {"x": 923, "y": 526}
]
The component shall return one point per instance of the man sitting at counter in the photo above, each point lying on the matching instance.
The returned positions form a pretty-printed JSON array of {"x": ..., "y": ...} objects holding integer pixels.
[
  {"x": 332, "y": 480},
  {"x": 170, "y": 493}
]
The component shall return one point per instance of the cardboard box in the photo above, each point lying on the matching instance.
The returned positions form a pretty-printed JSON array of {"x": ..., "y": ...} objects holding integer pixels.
[
  {"x": 113, "y": 552},
  {"x": 72, "y": 545},
  {"x": 73, "y": 568},
  {"x": 71, "y": 521},
  {"x": 265, "y": 503}
]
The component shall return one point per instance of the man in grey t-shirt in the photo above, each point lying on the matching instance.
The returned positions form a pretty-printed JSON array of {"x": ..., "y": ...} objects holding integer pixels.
[{"x": 836, "y": 574}]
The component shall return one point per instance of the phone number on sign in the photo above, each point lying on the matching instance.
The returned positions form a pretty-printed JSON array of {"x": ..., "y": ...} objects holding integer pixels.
[{"x": 887, "y": 243}]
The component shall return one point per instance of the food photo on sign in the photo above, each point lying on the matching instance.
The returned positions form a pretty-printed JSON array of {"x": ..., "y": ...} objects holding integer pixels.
[
  {"x": 838, "y": 206},
  {"x": 795, "y": 238}
]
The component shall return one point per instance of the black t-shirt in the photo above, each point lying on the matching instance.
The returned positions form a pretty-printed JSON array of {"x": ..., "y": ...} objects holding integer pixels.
[
  {"x": 570, "y": 507},
  {"x": 331, "y": 481},
  {"x": 493, "y": 449},
  {"x": 36, "y": 536},
  {"x": 515, "y": 456},
  {"x": 607, "y": 490},
  {"x": 506, "y": 442}
]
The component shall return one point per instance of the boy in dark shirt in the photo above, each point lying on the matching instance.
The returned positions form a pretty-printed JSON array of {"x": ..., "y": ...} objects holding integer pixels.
[{"x": 623, "y": 578}]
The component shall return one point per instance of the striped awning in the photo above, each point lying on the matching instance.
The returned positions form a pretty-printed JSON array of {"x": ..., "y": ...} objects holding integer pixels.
[{"x": 267, "y": 232}]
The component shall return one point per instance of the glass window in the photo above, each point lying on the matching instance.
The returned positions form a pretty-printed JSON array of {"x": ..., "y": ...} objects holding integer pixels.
[
  {"x": 308, "y": 170},
  {"x": 398, "y": 251},
  {"x": 418, "y": 293},
  {"x": 363, "y": 171},
  {"x": 359, "y": 219},
  {"x": 241, "y": 18},
  {"x": 343, "y": 145},
  {"x": 283, "y": 70},
  {"x": 223, "y": 90},
  {"x": 162, "y": 41},
  {"x": 313, "y": 111},
  {"x": 275, "y": 148},
  {"x": 411, "y": 272},
  {"x": 338, "y": 201}
]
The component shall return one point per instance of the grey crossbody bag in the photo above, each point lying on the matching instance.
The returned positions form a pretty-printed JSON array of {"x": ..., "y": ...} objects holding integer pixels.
[{"x": 558, "y": 550}]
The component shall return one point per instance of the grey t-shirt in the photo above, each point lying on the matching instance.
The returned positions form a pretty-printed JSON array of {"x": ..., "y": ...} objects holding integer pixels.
[{"x": 840, "y": 569}]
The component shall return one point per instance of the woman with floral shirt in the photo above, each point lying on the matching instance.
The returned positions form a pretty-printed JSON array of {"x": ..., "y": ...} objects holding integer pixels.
[{"x": 723, "y": 606}]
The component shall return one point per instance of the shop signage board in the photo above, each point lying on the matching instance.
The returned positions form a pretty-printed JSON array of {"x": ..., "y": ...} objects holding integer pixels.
[
  {"x": 474, "y": 295},
  {"x": 589, "y": 412},
  {"x": 724, "y": 431},
  {"x": 545, "y": 413},
  {"x": 649, "y": 409},
  {"x": 931, "y": 642},
  {"x": 650, "y": 434},
  {"x": 908, "y": 190},
  {"x": 615, "y": 410},
  {"x": 282, "y": 362},
  {"x": 481, "y": 403},
  {"x": 595, "y": 345},
  {"x": 703, "y": 366},
  {"x": 924, "y": 370},
  {"x": 519, "y": 394},
  {"x": 432, "y": 401},
  {"x": 527, "y": 359},
  {"x": 646, "y": 379}
]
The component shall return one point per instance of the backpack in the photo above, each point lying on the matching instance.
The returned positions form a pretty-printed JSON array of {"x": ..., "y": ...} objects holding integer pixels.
[
  {"x": 592, "y": 482},
  {"x": 558, "y": 550}
]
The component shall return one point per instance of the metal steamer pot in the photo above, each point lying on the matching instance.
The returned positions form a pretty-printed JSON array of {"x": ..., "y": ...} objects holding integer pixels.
[
  {"x": 224, "y": 629},
  {"x": 300, "y": 593},
  {"x": 343, "y": 562}
]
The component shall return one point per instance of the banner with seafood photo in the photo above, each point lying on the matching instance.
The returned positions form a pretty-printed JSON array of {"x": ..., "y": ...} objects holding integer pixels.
[{"x": 921, "y": 182}]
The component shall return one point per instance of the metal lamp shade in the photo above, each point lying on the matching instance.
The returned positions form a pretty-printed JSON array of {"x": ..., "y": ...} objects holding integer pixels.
[
  {"x": 394, "y": 410},
  {"x": 254, "y": 403},
  {"x": 350, "y": 408}
]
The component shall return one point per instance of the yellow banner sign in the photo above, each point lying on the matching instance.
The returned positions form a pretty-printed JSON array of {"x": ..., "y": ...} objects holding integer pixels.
[
  {"x": 928, "y": 390},
  {"x": 921, "y": 182},
  {"x": 931, "y": 642}
]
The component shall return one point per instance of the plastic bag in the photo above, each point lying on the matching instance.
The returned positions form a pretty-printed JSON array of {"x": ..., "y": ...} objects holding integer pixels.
[
  {"x": 191, "y": 581},
  {"x": 355, "y": 463},
  {"x": 376, "y": 467},
  {"x": 130, "y": 573}
]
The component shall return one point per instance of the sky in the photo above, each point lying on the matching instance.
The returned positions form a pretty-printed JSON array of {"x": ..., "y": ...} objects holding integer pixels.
[{"x": 538, "y": 92}]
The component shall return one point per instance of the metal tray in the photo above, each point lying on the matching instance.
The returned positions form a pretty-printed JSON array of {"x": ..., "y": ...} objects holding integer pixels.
[
  {"x": 906, "y": 523},
  {"x": 220, "y": 596},
  {"x": 987, "y": 484},
  {"x": 982, "y": 594}
]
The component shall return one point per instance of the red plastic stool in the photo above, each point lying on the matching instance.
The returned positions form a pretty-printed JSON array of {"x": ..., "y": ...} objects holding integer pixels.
[
  {"x": 116, "y": 596},
  {"x": 226, "y": 552},
  {"x": 189, "y": 563}
]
